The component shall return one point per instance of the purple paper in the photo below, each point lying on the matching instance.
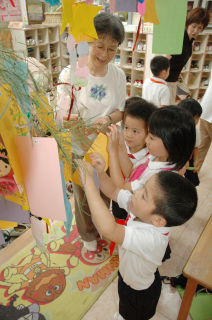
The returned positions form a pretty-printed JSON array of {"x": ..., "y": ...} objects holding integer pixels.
[
  {"x": 126, "y": 5},
  {"x": 2, "y": 241},
  {"x": 13, "y": 212}
]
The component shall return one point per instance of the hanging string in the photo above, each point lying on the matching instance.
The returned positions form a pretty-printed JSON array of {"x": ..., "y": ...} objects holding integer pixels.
[{"x": 137, "y": 35}]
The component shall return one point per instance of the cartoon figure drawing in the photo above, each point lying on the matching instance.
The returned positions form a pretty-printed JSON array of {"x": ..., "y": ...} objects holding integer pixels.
[
  {"x": 43, "y": 284},
  {"x": 7, "y": 181},
  {"x": 74, "y": 247},
  {"x": 20, "y": 312}
]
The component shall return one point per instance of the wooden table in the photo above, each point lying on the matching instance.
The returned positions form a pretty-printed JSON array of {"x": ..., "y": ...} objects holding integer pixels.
[{"x": 198, "y": 269}]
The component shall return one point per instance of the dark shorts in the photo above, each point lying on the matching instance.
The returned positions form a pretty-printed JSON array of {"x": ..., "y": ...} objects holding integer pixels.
[
  {"x": 138, "y": 304},
  {"x": 192, "y": 176}
]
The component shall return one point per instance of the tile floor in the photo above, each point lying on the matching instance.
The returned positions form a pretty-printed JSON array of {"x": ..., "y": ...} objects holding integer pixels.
[{"x": 183, "y": 239}]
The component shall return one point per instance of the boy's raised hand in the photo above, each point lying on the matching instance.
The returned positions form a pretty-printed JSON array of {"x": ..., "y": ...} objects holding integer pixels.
[
  {"x": 98, "y": 162},
  {"x": 114, "y": 137},
  {"x": 85, "y": 171}
]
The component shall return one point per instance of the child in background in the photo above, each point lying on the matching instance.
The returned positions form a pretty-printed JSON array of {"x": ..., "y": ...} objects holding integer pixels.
[
  {"x": 166, "y": 200},
  {"x": 195, "y": 109},
  {"x": 170, "y": 141},
  {"x": 132, "y": 145},
  {"x": 155, "y": 89}
]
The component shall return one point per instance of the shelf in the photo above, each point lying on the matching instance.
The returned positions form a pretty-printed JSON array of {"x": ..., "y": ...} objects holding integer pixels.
[
  {"x": 198, "y": 52},
  {"x": 193, "y": 87},
  {"x": 128, "y": 84},
  {"x": 55, "y": 57},
  {"x": 191, "y": 70},
  {"x": 205, "y": 87},
  {"x": 137, "y": 87},
  {"x": 127, "y": 49},
  {"x": 63, "y": 41},
  {"x": 126, "y": 66},
  {"x": 42, "y": 44},
  {"x": 140, "y": 51},
  {"x": 32, "y": 46},
  {"x": 43, "y": 60},
  {"x": 52, "y": 42},
  {"x": 184, "y": 71},
  {"x": 139, "y": 69},
  {"x": 66, "y": 56}
]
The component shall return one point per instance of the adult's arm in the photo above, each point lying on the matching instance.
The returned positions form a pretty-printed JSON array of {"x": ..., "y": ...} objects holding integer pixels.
[
  {"x": 113, "y": 117},
  {"x": 168, "y": 56}
]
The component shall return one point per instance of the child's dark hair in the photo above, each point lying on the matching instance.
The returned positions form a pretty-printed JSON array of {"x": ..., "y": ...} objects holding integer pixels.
[
  {"x": 192, "y": 106},
  {"x": 176, "y": 200},
  {"x": 158, "y": 64},
  {"x": 176, "y": 127},
  {"x": 139, "y": 108},
  {"x": 4, "y": 152}
]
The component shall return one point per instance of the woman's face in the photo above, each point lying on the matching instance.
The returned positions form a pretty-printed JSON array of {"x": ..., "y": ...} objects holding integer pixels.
[
  {"x": 102, "y": 51},
  {"x": 194, "y": 30}
]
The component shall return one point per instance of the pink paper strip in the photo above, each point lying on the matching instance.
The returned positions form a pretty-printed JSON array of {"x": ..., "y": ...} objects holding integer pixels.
[{"x": 41, "y": 171}]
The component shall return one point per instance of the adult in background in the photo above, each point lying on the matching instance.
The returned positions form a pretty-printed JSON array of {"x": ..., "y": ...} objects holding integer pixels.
[
  {"x": 196, "y": 21},
  {"x": 206, "y": 123},
  {"x": 102, "y": 101}
]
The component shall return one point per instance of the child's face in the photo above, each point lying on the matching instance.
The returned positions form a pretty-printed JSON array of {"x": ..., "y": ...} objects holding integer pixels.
[
  {"x": 156, "y": 146},
  {"x": 142, "y": 202},
  {"x": 4, "y": 168},
  {"x": 134, "y": 133},
  {"x": 196, "y": 119}
]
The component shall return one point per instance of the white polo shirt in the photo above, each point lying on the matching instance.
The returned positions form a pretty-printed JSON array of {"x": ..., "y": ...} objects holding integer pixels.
[
  {"x": 152, "y": 168},
  {"x": 206, "y": 103},
  {"x": 155, "y": 90},
  {"x": 143, "y": 248},
  {"x": 142, "y": 154}
]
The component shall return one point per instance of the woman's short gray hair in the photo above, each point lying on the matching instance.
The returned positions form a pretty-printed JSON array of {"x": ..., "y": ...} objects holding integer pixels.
[{"x": 109, "y": 25}]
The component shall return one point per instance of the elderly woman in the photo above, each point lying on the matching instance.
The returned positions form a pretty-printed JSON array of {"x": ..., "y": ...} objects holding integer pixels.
[
  {"x": 196, "y": 21},
  {"x": 101, "y": 102}
]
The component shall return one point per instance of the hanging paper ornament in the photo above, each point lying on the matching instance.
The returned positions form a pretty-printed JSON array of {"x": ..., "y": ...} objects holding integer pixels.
[
  {"x": 72, "y": 77},
  {"x": 82, "y": 72},
  {"x": 82, "y": 61},
  {"x": 73, "y": 58},
  {"x": 70, "y": 43},
  {"x": 83, "y": 49},
  {"x": 141, "y": 7}
]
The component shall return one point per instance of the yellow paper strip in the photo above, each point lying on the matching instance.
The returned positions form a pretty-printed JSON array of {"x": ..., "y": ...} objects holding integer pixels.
[{"x": 99, "y": 145}]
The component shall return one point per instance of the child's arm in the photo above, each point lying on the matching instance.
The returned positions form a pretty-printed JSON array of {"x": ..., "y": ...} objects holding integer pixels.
[
  {"x": 102, "y": 217},
  {"x": 124, "y": 160},
  {"x": 115, "y": 170},
  {"x": 196, "y": 159}
]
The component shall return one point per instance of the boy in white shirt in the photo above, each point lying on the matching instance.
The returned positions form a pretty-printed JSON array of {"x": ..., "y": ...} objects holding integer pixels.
[
  {"x": 166, "y": 200},
  {"x": 155, "y": 89}
]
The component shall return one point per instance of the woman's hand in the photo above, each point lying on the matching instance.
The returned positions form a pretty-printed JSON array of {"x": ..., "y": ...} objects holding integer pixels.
[
  {"x": 114, "y": 137},
  {"x": 85, "y": 172},
  {"x": 98, "y": 162},
  {"x": 197, "y": 166}
]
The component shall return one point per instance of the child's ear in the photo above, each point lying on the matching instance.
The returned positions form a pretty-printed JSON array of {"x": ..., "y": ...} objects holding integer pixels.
[{"x": 159, "y": 221}]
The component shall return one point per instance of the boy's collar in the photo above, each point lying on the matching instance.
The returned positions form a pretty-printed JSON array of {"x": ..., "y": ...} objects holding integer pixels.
[{"x": 155, "y": 79}]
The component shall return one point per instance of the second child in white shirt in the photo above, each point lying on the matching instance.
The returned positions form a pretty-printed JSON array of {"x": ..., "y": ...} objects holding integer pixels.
[
  {"x": 155, "y": 89},
  {"x": 132, "y": 145}
]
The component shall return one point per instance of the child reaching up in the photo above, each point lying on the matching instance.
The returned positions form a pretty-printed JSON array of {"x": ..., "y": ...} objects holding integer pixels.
[
  {"x": 170, "y": 141},
  {"x": 195, "y": 109},
  {"x": 166, "y": 200},
  {"x": 155, "y": 89},
  {"x": 132, "y": 145}
]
